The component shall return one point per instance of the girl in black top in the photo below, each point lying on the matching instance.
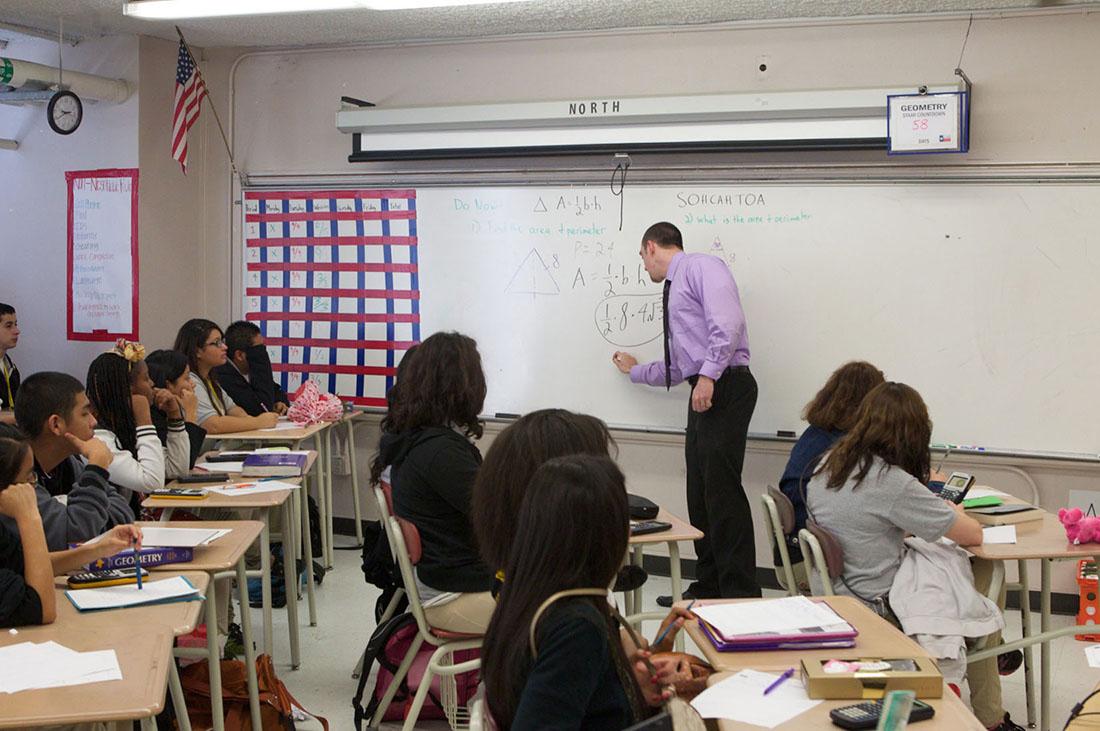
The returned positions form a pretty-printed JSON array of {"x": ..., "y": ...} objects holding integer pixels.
[
  {"x": 426, "y": 443},
  {"x": 574, "y": 523}
]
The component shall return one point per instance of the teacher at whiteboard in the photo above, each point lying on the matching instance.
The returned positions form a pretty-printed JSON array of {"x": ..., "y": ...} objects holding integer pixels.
[{"x": 706, "y": 344}]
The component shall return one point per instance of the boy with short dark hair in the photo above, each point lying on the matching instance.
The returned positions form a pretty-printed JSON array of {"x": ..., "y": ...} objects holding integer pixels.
[
  {"x": 9, "y": 374},
  {"x": 75, "y": 499},
  {"x": 247, "y": 376}
]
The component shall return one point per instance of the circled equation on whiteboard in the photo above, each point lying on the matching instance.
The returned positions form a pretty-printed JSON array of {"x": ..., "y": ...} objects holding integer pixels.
[{"x": 630, "y": 320}]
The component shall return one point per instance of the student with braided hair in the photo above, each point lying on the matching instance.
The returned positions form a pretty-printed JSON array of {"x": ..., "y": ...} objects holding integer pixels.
[{"x": 121, "y": 394}]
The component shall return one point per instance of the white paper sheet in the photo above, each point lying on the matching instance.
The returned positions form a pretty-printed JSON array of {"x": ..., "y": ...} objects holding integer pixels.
[
  {"x": 741, "y": 698},
  {"x": 180, "y": 537},
  {"x": 28, "y": 666},
  {"x": 129, "y": 595},
  {"x": 767, "y": 615},
  {"x": 220, "y": 466},
  {"x": 982, "y": 491},
  {"x": 999, "y": 534},
  {"x": 284, "y": 426},
  {"x": 252, "y": 488},
  {"x": 1092, "y": 654}
]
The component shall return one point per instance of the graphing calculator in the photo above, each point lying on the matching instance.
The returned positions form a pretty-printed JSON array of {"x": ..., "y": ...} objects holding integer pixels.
[
  {"x": 865, "y": 715},
  {"x": 642, "y": 527},
  {"x": 99, "y": 579},
  {"x": 956, "y": 486}
]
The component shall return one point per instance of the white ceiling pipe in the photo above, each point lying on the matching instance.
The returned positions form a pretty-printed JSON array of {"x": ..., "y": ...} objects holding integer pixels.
[{"x": 17, "y": 73}]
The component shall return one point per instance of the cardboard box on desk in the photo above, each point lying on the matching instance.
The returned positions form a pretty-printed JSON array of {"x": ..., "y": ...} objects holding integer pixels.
[{"x": 823, "y": 680}]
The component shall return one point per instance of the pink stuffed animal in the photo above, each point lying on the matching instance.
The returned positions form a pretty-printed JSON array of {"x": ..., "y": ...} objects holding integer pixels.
[{"x": 1079, "y": 528}]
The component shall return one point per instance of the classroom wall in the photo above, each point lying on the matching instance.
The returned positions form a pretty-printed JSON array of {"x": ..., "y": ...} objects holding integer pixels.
[{"x": 33, "y": 211}]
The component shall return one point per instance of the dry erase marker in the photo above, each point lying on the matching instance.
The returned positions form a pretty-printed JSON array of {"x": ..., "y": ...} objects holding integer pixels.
[{"x": 780, "y": 680}]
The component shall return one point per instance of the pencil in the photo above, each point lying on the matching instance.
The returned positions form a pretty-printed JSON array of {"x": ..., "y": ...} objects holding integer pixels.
[{"x": 664, "y": 633}]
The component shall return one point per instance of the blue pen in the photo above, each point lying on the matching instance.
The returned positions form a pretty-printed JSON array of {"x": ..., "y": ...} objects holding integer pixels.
[
  {"x": 664, "y": 633},
  {"x": 137, "y": 563},
  {"x": 780, "y": 680}
]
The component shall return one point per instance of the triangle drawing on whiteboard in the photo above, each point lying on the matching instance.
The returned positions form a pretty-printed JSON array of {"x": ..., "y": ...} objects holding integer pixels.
[
  {"x": 540, "y": 207},
  {"x": 532, "y": 277}
]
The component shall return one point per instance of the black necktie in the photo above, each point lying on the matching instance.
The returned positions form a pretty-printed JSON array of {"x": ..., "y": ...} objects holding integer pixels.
[{"x": 668, "y": 335}]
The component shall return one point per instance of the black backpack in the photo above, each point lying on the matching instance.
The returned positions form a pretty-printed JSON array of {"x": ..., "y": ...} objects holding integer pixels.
[
  {"x": 379, "y": 568},
  {"x": 376, "y": 653}
]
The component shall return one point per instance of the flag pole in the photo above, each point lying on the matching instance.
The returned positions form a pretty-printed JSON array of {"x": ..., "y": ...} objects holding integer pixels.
[{"x": 213, "y": 109}]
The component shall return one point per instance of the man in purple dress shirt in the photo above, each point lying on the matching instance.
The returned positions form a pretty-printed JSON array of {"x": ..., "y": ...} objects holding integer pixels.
[{"x": 706, "y": 344}]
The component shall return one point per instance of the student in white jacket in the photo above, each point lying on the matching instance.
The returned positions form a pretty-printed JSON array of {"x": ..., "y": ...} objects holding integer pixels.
[{"x": 120, "y": 392}]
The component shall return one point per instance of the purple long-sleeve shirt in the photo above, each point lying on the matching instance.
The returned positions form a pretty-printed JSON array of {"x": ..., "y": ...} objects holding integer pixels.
[{"x": 707, "y": 324}]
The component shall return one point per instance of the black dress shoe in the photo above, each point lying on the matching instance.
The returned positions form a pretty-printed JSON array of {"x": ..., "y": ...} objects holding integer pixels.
[{"x": 666, "y": 600}]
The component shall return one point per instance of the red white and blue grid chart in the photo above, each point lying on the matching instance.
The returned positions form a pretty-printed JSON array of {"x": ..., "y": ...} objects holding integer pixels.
[{"x": 331, "y": 279}]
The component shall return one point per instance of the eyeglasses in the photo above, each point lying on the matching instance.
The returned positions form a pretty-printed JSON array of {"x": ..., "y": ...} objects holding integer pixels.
[{"x": 216, "y": 343}]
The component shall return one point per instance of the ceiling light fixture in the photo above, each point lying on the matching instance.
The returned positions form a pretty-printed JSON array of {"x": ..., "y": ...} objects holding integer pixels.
[{"x": 175, "y": 9}]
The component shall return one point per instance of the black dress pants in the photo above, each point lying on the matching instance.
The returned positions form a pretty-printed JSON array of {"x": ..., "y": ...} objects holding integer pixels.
[{"x": 717, "y": 505}]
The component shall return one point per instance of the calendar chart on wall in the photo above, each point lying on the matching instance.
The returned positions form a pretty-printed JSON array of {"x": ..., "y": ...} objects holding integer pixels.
[{"x": 331, "y": 279}]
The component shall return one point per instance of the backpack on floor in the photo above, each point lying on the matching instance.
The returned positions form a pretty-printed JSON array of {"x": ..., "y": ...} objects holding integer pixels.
[{"x": 386, "y": 648}]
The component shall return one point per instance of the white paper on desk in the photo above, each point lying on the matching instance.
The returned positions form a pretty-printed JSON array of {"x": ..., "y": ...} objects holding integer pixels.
[
  {"x": 741, "y": 698},
  {"x": 284, "y": 426},
  {"x": 984, "y": 492},
  {"x": 29, "y": 666},
  {"x": 220, "y": 466},
  {"x": 129, "y": 595},
  {"x": 252, "y": 488},
  {"x": 999, "y": 534},
  {"x": 767, "y": 615},
  {"x": 180, "y": 537},
  {"x": 1092, "y": 654}
]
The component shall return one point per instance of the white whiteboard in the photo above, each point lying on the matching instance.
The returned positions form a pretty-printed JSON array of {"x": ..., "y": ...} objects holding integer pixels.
[{"x": 983, "y": 297}]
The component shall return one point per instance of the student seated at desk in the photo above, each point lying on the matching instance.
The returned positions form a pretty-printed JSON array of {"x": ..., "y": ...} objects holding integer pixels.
[
  {"x": 504, "y": 478},
  {"x": 426, "y": 443},
  {"x": 202, "y": 342},
  {"x": 247, "y": 375},
  {"x": 27, "y": 567},
  {"x": 75, "y": 499},
  {"x": 121, "y": 394},
  {"x": 9, "y": 338},
  {"x": 870, "y": 493},
  {"x": 830, "y": 414},
  {"x": 575, "y": 674},
  {"x": 169, "y": 372}
]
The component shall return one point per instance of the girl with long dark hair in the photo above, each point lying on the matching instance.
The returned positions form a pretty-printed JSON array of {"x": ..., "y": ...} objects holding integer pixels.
[
  {"x": 202, "y": 343},
  {"x": 121, "y": 397},
  {"x": 427, "y": 445},
  {"x": 171, "y": 374},
  {"x": 575, "y": 674}
]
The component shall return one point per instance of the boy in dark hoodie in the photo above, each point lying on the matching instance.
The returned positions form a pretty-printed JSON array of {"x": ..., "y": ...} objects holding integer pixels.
[{"x": 75, "y": 499}]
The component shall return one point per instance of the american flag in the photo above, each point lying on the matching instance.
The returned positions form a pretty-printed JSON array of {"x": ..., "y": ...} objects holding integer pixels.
[{"x": 190, "y": 89}]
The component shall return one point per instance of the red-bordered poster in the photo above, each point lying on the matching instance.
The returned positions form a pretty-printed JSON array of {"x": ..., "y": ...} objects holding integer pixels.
[{"x": 102, "y": 254}]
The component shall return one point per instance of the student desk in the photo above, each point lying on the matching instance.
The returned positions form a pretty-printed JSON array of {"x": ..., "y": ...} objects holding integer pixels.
[
  {"x": 321, "y": 437},
  {"x": 265, "y": 502},
  {"x": 877, "y": 638},
  {"x": 179, "y": 618},
  {"x": 1044, "y": 540},
  {"x": 951, "y": 715},
  {"x": 144, "y": 656},
  {"x": 217, "y": 559},
  {"x": 681, "y": 530},
  {"x": 348, "y": 420}
]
